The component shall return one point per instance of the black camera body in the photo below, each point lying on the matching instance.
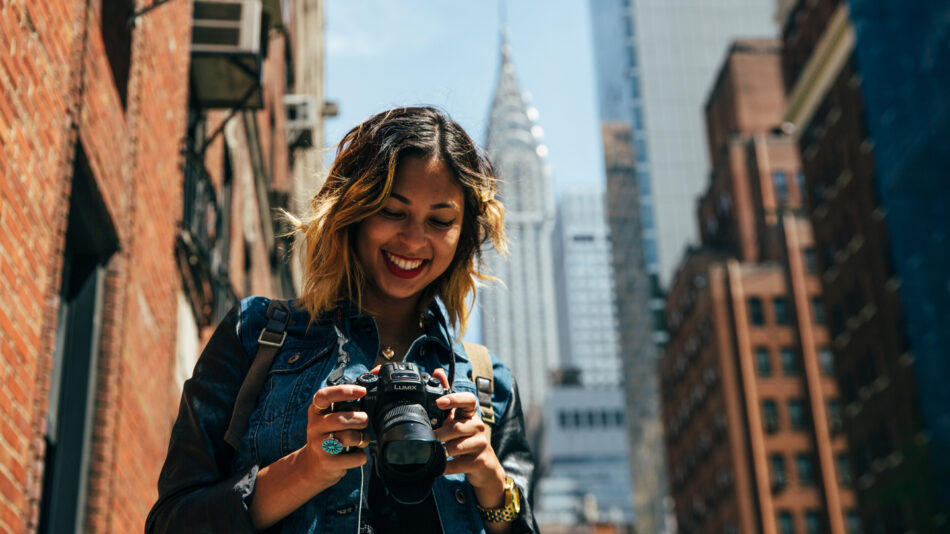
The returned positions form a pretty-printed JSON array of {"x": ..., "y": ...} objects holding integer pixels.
[
  {"x": 397, "y": 384},
  {"x": 400, "y": 403}
]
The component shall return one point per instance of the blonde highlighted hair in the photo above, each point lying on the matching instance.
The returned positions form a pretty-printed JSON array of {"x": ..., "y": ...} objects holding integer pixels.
[{"x": 359, "y": 184}]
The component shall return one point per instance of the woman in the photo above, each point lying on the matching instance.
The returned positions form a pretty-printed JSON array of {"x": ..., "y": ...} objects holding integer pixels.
[{"x": 391, "y": 251}]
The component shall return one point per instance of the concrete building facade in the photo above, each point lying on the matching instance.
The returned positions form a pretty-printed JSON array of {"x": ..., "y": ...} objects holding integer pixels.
[
  {"x": 127, "y": 227},
  {"x": 586, "y": 460},
  {"x": 751, "y": 407}
]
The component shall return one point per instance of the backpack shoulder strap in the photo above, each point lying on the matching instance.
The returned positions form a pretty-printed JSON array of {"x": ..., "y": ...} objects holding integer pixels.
[
  {"x": 268, "y": 343},
  {"x": 484, "y": 380}
]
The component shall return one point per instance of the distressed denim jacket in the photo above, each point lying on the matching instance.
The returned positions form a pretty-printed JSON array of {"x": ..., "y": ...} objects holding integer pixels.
[{"x": 205, "y": 485}]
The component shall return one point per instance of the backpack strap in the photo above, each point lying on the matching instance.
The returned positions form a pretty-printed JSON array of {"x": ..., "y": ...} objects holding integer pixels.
[
  {"x": 268, "y": 343},
  {"x": 484, "y": 381}
]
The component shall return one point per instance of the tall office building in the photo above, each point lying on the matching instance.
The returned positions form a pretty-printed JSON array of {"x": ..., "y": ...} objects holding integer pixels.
[
  {"x": 519, "y": 319},
  {"x": 585, "y": 449},
  {"x": 867, "y": 84},
  {"x": 582, "y": 272},
  {"x": 673, "y": 52},
  {"x": 655, "y": 62}
]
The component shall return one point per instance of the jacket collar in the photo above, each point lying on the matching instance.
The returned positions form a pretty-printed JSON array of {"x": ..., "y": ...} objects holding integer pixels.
[{"x": 435, "y": 323}]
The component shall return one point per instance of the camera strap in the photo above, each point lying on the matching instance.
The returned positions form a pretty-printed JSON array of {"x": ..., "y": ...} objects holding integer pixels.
[
  {"x": 343, "y": 357},
  {"x": 268, "y": 343},
  {"x": 484, "y": 380}
]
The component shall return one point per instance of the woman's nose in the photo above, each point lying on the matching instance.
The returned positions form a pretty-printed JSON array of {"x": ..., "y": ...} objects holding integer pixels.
[{"x": 413, "y": 233}]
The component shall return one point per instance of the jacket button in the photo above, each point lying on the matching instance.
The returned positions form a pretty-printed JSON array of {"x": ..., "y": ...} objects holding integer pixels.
[
  {"x": 460, "y": 496},
  {"x": 293, "y": 358}
]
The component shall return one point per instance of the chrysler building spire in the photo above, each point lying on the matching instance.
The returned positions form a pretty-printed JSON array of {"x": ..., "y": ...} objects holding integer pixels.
[{"x": 519, "y": 320}]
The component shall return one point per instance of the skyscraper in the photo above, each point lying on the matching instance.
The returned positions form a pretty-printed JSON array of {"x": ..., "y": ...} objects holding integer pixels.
[
  {"x": 585, "y": 447},
  {"x": 655, "y": 62},
  {"x": 673, "y": 52},
  {"x": 583, "y": 280},
  {"x": 519, "y": 320}
]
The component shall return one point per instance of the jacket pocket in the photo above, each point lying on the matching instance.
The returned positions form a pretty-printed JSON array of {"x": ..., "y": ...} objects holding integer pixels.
[{"x": 292, "y": 381}]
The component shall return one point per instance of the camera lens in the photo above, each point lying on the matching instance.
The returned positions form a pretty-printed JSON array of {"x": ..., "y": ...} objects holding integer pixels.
[
  {"x": 407, "y": 456},
  {"x": 410, "y": 456}
]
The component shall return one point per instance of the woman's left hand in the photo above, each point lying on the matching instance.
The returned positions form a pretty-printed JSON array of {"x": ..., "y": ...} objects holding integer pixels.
[{"x": 463, "y": 433}]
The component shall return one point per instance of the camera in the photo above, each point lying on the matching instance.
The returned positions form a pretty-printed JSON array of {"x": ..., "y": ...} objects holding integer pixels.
[{"x": 400, "y": 403}]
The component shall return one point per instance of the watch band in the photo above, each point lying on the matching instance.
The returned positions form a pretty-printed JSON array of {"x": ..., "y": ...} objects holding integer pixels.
[{"x": 509, "y": 510}]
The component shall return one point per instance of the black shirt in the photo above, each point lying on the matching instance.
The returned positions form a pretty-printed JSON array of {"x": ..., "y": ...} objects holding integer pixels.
[{"x": 388, "y": 516}]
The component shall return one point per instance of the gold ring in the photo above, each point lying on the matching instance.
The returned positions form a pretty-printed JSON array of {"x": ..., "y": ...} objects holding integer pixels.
[
  {"x": 362, "y": 439},
  {"x": 320, "y": 408}
]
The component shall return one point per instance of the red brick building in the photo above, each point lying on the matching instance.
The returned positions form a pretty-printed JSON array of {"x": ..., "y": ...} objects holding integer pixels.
[
  {"x": 891, "y": 376},
  {"x": 750, "y": 407},
  {"x": 122, "y": 241}
]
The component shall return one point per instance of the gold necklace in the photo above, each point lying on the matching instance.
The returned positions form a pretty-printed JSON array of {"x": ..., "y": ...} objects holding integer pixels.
[{"x": 387, "y": 351}]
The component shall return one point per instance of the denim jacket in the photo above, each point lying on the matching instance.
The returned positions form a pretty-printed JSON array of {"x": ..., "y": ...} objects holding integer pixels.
[{"x": 205, "y": 485}]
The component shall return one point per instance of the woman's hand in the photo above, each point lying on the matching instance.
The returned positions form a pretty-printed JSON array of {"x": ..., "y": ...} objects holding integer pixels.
[
  {"x": 463, "y": 433},
  {"x": 288, "y": 483},
  {"x": 344, "y": 426}
]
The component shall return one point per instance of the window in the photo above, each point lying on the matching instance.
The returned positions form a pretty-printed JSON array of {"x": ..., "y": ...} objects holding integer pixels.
[
  {"x": 780, "y": 306},
  {"x": 806, "y": 472},
  {"x": 813, "y": 523},
  {"x": 796, "y": 414},
  {"x": 780, "y": 182},
  {"x": 811, "y": 265},
  {"x": 562, "y": 419},
  {"x": 770, "y": 416},
  {"x": 817, "y": 311},
  {"x": 786, "y": 524},
  {"x": 853, "y": 521},
  {"x": 800, "y": 184},
  {"x": 789, "y": 361},
  {"x": 826, "y": 360},
  {"x": 117, "y": 38},
  {"x": 844, "y": 472},
  {"x": 777, "y": 463},
  {"x": 763, "y": 364},
  {"x": 834, "y": 416},
  {"x": 91, "y": 240},
  {"x": 755, "y": 312}
]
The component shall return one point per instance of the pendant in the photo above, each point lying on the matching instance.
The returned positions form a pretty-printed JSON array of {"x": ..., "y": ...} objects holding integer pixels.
[{"x": 388, "y": 353}]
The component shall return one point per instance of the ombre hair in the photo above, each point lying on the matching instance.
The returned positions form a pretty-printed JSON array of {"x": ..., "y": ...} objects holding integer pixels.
[{"x": 360, "y": 182}]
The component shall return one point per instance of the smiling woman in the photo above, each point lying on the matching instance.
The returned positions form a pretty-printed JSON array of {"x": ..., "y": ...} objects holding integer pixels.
[{"x": 393, "y": 250}]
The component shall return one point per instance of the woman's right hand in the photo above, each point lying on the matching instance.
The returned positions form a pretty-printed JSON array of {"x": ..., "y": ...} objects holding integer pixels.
[
  {"x": 345, "y": 426},
  {"x": 288, "y": 483}
]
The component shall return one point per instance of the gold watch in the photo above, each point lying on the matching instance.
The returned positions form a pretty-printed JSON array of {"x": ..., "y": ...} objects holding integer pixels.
[{"x": 508, "y": 511}]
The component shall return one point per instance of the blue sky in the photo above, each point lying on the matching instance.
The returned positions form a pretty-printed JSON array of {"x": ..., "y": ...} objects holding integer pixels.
[{"x": 386, "y": 53}]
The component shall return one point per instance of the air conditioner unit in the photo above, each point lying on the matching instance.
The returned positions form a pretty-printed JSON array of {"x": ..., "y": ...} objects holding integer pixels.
[
  {"x": 226, "y": 53},
  {"x": 301, "y": 119}
]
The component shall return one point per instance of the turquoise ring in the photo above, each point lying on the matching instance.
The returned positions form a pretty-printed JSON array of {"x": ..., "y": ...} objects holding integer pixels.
[{"x": 332, "y": 445}]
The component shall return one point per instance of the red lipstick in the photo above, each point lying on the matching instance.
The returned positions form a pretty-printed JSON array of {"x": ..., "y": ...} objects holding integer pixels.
[{"x": 403, "y": 273}]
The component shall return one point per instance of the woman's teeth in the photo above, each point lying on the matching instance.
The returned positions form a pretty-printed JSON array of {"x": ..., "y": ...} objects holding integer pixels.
[{"x": 404, "y": 264}]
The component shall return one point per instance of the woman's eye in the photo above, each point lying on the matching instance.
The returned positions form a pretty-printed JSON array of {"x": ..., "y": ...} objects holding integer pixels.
[
  {"x": 391, "y": 214},
  {"x": 442, "y": 224}
]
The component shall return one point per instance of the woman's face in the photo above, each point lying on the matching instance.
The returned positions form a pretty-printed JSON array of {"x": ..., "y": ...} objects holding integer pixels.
[{"x": 412, "y": 241}]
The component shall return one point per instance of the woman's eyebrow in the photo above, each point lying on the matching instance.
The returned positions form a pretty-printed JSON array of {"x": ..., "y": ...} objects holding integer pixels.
[{"x": 438, "y": 206}]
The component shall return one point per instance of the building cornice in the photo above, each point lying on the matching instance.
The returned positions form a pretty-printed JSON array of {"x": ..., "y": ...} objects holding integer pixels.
[{"x": 830, "y": 55}]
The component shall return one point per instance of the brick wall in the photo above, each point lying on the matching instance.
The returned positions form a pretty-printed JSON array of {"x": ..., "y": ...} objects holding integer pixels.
[
  {"x": 67, "y": 81},
  {"x": 57, "y": 90}
]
